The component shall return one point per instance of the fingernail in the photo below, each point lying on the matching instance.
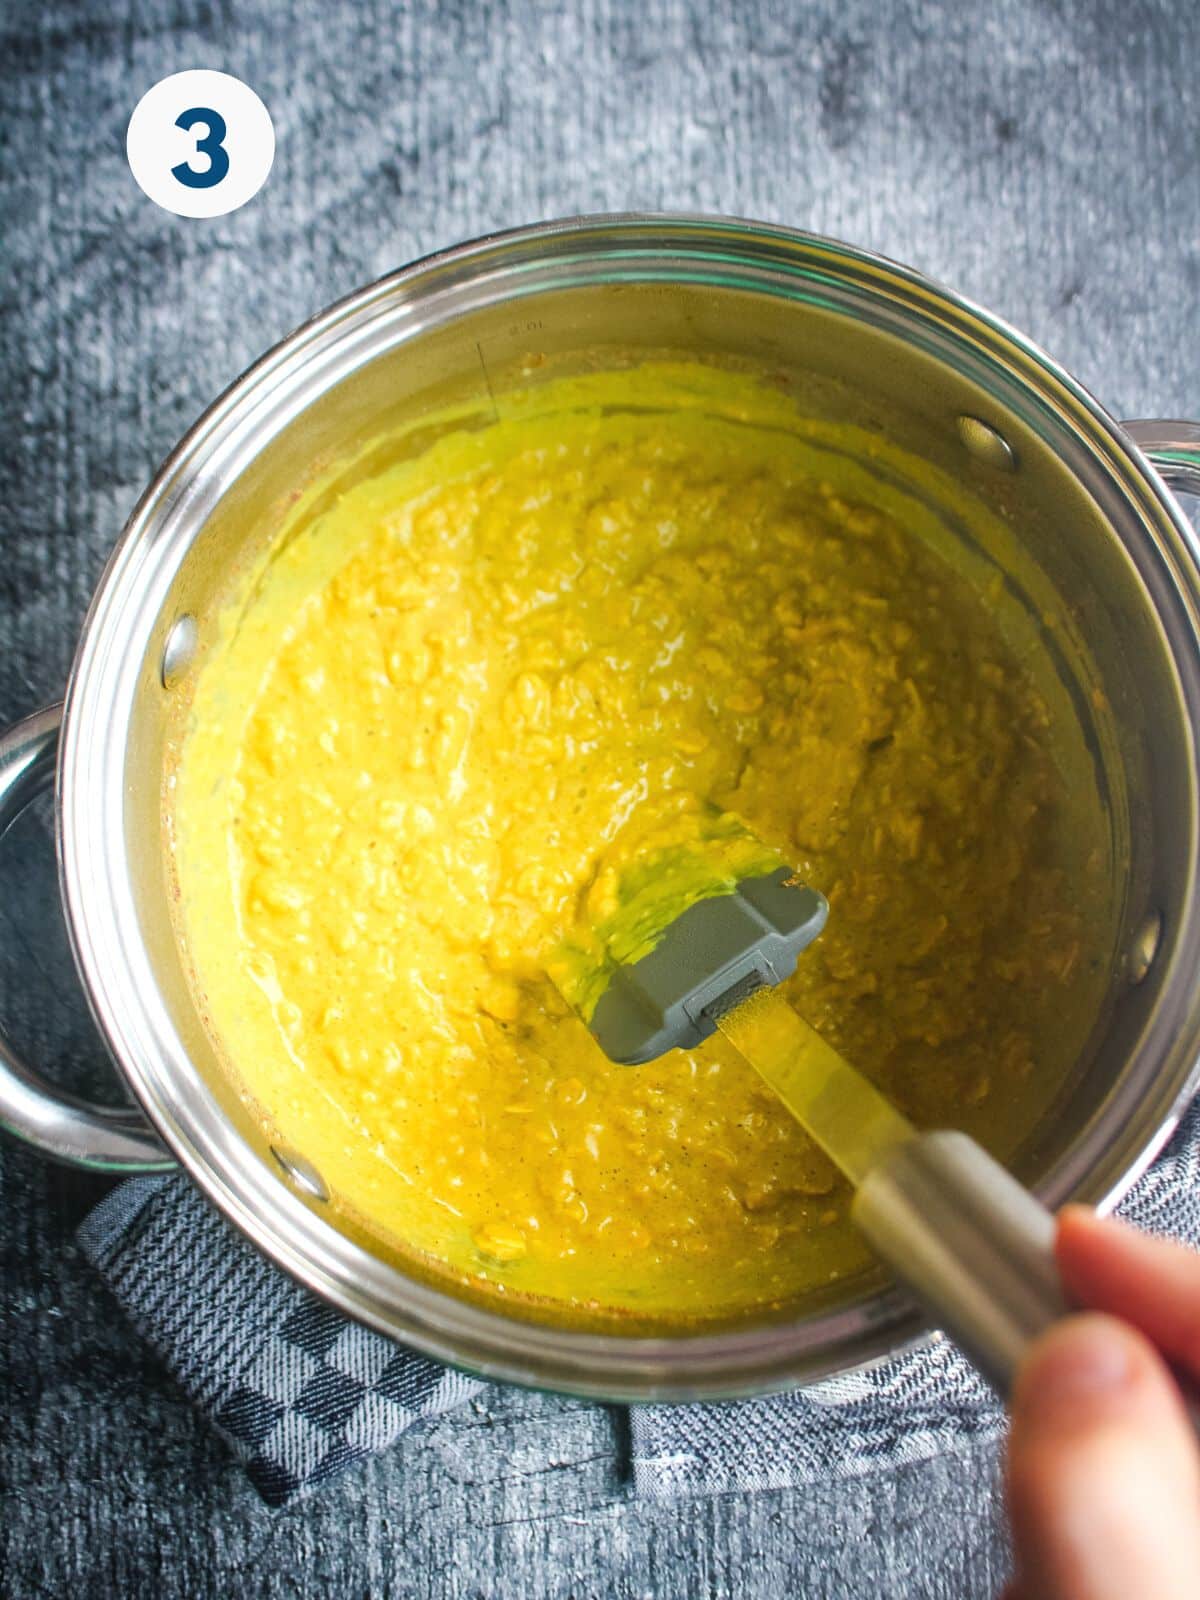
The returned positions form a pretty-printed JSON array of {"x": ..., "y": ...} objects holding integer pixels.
[{"x": 1081, "y": 1358}]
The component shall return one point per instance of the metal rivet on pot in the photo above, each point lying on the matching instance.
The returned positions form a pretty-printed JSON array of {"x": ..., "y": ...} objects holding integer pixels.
[
  {"x": 1144, "y": 947},
  {"x": 301, "y": 1173},
  {"x": 985, "y": 444},
  {"x": 179, "y": 649}
]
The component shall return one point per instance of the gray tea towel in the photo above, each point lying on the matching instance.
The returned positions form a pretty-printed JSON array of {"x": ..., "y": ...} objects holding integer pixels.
[{"x": 300, "y": 1392}]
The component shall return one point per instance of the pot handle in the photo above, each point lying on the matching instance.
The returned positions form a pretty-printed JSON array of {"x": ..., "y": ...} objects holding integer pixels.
[
  {"x": 104, "y": 1138},
  {"x": 1173, "y": 448}
]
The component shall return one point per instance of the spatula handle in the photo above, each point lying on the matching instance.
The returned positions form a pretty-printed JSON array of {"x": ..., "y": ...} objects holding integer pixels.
[
  {"x": 971, "y": 1243},
  {"x": 974, "y": 1247}
]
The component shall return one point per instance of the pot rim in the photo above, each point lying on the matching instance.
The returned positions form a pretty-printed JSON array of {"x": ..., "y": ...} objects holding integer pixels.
[{"x": 102, "y": 920}]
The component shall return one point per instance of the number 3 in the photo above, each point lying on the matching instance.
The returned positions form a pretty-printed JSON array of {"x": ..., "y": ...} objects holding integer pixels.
[{"x": 211, "y": 146}]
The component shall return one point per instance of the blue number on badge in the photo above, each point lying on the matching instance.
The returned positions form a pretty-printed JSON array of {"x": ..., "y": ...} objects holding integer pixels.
[{"x": 211, "y": 146}]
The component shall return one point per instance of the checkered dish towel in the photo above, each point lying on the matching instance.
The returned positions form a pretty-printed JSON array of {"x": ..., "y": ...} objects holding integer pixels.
[{"x": 300, "y": 1392}]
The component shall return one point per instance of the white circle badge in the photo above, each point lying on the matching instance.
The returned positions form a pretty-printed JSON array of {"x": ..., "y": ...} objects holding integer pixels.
[{"x": 200, "y": 143}]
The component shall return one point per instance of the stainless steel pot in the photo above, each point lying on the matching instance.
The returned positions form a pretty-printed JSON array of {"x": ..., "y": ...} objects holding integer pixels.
[{"x": 863, "y": 340}]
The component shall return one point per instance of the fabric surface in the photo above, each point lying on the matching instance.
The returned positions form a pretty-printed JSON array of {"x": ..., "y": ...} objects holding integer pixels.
[
  {"x": 301, "y": 1393},
  {"x": 298, "y": 1391}
]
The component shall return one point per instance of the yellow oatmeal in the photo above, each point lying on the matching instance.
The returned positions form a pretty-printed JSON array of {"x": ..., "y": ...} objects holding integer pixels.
[{"x": 455, "y": 696}]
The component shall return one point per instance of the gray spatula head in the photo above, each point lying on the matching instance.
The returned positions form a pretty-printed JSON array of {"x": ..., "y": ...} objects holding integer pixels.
[{"x": 712, "y": 956}]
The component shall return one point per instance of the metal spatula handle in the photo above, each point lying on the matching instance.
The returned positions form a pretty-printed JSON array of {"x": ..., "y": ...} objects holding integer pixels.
[{"x": 970, "y": 1242}]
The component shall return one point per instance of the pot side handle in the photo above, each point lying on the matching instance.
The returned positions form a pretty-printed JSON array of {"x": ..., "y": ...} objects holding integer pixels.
[
  {"x": 1173, "y": 448},
  {"x": 104, "y": 1138}
]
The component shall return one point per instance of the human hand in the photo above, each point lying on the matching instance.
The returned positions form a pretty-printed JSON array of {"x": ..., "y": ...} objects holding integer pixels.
[{"x": 1103, "y": 1465}]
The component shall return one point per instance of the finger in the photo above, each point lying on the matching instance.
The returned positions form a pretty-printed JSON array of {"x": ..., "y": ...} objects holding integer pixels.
[
  {"x": 1103, "y": 1477},
  {"x": 1153, "y": 1283}
]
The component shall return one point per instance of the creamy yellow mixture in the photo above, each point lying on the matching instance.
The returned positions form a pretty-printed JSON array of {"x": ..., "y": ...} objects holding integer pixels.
[{"x": 464, "y": 687}]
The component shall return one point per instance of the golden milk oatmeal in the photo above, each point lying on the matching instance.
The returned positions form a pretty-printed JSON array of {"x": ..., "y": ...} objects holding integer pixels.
[{"x": 451, "y": 695}]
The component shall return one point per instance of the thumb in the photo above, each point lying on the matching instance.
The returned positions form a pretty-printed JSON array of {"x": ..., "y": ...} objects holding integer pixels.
[{"x": 1103, "y": 1475}]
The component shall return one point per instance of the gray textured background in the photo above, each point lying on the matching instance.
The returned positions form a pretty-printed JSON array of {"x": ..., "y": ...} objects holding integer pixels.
[{"x": 1042, "y": 157}]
